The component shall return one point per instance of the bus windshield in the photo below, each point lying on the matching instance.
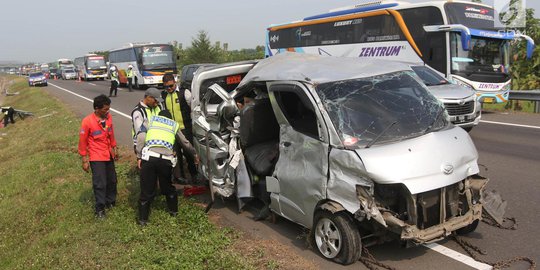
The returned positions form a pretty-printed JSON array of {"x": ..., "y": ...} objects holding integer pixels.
[
  {"x": 157, "y": 57},
  {"x": 382, "y": 108},
  {"x": 486, "y": 57},
  {"x": 96, "y": 63}
]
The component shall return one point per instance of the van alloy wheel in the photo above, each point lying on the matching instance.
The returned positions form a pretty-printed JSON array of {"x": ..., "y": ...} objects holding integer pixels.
[{"x": 337, "y": 237}]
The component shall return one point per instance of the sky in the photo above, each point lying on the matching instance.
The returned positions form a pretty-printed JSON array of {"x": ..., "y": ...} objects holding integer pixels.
[{"x": 43, "y": 31}]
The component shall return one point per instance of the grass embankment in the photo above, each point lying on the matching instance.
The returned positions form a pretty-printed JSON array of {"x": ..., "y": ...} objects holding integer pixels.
[
  {"x": 512, "y": 106},
  {"x": 46, "y": 206}
]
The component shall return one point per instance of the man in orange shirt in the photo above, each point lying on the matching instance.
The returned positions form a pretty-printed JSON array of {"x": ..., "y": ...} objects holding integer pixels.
[{"x": 97, "y": 147}]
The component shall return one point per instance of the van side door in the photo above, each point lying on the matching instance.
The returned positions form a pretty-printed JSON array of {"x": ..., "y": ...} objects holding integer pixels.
[{"x": 302, "y": 168}]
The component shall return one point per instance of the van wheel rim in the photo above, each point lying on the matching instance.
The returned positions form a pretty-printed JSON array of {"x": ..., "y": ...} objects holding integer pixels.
[{"x": 328, "y": 238}]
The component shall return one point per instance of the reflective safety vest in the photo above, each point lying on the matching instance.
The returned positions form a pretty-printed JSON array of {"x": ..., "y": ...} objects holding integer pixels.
[
  {"x": 129, "y": 73},
  {"x": 147, "y": 114},
  {"x": 172, "y": 103},
  {"x": 161, "y": 132}
]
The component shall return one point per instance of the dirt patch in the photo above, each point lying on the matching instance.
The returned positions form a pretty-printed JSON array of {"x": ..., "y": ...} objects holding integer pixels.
[{"x": 263, "y": 253}]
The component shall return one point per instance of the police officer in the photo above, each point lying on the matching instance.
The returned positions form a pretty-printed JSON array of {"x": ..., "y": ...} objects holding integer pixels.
[
  {"x": 177, "y": 101},
  {"x": 114, "y": 81},
  {"x": 157, "y": 160},
  {"x": 129, "y": 75},
  {"x": 143, "y": 111}
]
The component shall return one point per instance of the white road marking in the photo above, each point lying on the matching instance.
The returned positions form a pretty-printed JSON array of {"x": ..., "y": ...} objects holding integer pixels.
[
  {"x": 435, "y": 247},
  {"x": 92, "y": 84},
  {"x": 509, "y": 124},
  {"x": 85, "y": 98},
  {"x": 458, "y": 256}
]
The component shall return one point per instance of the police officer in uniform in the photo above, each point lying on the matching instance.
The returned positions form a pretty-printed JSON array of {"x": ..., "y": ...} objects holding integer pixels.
[
  {"x": 143, "y": 111},
  {"x": 157, "y": 160},
  {"x": 177, "y": 101},
  {"x": 129, "y": 75},
  {"x": 114, "y": 81}
]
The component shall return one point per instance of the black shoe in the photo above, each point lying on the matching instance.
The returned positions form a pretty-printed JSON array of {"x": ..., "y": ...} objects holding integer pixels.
[
  {"x": 110, "y": 205},
  {"x": 172, "y": 204},
  {"x": 263, "y": 214},
  {"x": 100, "y": 214},
  {"x": 144, "y": 213}
]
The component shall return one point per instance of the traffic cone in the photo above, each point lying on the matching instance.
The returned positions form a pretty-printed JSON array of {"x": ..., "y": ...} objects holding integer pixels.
[{"x": 55, "y": 77}]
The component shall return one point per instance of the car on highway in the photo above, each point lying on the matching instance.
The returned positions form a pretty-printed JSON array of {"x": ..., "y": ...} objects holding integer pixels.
[
  {"x": 54, "y": 72},
  {"x": 186, "y": 75},
  {"x": 359, "y": 152},
  {"x": 37, "y": 78},
  {"x": 69, "y": 74},
  {"x": 463, "y": 107}
]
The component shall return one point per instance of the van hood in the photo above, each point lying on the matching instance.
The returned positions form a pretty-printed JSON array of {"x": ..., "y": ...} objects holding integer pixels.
[
  {"x": 425, "y": 163},
  {"x": 450, "y": 91}
]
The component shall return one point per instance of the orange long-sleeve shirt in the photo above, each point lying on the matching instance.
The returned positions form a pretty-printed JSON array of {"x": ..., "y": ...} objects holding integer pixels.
[{"x": 96, "y": 140}]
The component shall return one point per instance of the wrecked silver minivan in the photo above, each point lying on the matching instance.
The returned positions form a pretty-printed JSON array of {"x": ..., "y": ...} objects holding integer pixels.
[{"x": 357, "y": 151}]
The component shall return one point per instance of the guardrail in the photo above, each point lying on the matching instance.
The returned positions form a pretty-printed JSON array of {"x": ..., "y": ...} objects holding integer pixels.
[{"x": 530, "y": 95}]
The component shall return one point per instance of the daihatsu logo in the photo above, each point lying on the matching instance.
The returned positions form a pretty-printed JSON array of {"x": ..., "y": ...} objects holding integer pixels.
[{"x": 448, "y": 169}]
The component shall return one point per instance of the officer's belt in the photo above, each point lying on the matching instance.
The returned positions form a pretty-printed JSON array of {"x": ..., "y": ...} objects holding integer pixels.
[{"x": 158, "y": 155}]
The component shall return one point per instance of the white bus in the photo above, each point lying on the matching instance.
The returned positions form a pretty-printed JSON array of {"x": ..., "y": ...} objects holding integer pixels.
[
  {"x": 456, "y": 38},
  {"x": 150, "y": 62},
  {"x": 91, "y": 66}
]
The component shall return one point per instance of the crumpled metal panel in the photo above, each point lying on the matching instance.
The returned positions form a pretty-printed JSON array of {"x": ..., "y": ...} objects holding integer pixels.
[
  {"x": 301, "y": 170},
  {"x": 346, "y": 172},
  {"x": 424, "y": 163}
]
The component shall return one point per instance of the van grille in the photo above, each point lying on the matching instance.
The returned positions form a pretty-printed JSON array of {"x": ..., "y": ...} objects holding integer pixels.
[{"x": 456, "y": 109}]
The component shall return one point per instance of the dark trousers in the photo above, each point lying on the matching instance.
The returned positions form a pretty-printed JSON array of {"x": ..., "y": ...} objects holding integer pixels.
[
  {"x": 130, "y": 84},
  {"x": 104, "y": 183},
  {"x": 114, "y": 88},
  {"x": 153, "y": 170},
  {"x": 179, "y": 169},
  {"x": 9, "y": 116}
]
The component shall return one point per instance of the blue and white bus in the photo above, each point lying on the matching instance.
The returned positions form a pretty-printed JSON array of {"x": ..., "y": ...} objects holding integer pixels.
[
  {"x": 456, "y": 38},
  {"x": 149, "y": 61}
]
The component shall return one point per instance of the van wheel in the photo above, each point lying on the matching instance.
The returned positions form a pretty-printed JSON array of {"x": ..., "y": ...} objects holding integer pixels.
[
  {"x": 337, "y": 237},
  {"x": 468, "y": 129},
  {"x": 468, "y": 229}
]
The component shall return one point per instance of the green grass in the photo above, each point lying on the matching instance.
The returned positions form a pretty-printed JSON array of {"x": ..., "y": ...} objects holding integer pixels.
[
  {"x": 515, "y": 106},
  {"x": 46, "y": 206}
]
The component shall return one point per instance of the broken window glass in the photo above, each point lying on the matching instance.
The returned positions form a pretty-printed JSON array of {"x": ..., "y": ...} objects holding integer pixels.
[{"x": 385, "y": 108}]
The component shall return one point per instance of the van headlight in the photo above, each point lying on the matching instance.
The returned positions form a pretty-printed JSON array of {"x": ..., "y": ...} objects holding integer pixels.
[{"x": 462, "y": 83}]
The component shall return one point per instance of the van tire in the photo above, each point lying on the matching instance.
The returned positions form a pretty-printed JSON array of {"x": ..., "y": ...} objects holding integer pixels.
[
  {"x": 345, "y": 233},
  {"x": 468, "y": 229},
  {"x": 468, "y": 129}
]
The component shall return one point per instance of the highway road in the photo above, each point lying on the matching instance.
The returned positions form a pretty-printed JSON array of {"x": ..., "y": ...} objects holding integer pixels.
[{"x": 509, "y": 152}]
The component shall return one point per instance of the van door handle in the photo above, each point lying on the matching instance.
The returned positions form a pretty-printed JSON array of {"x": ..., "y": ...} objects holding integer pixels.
[{"x": 286, "y": 144}]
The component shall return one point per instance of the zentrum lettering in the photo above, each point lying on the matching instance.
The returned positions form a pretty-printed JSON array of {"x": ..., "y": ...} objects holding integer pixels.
[{"x": 380, "y": 51}]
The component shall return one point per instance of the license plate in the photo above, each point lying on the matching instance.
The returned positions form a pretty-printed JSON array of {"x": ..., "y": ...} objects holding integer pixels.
[{"x": 489, "y": 100}]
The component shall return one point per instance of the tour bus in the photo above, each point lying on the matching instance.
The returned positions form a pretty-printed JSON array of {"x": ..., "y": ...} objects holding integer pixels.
[
  {"x": 91, "y": 66},
  {"x": 64, "y": 63},
  {"x": 149, "y": 61},
  {"x": 457, "y": 38}
]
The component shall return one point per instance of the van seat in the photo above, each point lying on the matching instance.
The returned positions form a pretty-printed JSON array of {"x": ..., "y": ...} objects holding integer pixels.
[{"x": 259, "y": 135}]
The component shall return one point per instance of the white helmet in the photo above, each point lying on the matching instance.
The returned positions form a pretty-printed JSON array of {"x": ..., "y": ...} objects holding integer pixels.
[
  {"x": 113, "y": 68},
  {"x": 130, "y": 66}
]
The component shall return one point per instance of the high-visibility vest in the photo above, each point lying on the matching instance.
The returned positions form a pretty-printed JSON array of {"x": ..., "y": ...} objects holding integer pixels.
[
  {"x": 129, "y": 73},
  {"x": 161, "y": 133},
  {"x": 173, "y": 105},
  {"x": 147, "y": 113}
]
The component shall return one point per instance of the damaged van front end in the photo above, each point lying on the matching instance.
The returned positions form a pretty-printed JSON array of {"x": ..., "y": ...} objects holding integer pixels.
[{"x": 427, "y": 216}]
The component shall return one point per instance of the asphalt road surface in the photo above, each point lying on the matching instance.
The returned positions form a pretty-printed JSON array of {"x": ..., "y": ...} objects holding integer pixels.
[{"x": 509, "y": 152}]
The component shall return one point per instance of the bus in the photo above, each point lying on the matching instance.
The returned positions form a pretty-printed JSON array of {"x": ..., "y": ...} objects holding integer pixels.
[
  {"x": 64, "y": 63},
  {"x": 91, "y": 66},
  {"x": 457, "y": 38},
  {"x": 150, "y": 62}
]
